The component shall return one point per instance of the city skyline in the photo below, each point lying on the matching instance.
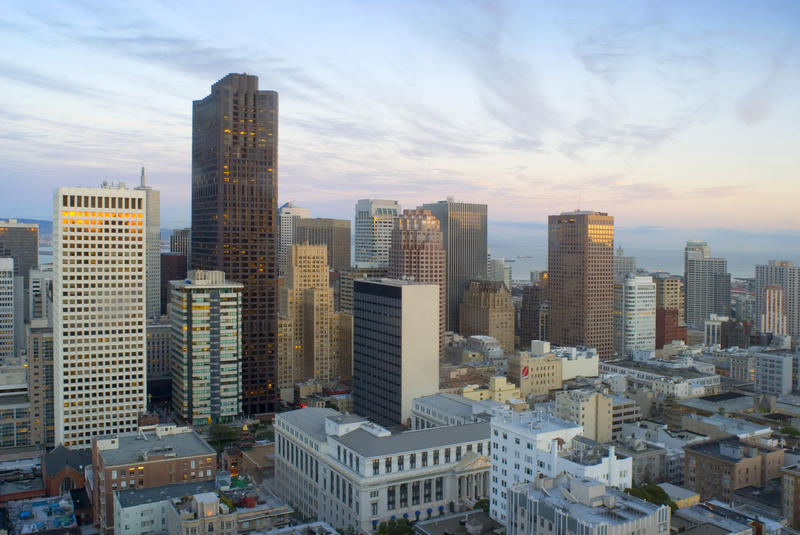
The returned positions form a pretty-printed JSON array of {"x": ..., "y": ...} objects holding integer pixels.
[{"x": 537, "y": 105}]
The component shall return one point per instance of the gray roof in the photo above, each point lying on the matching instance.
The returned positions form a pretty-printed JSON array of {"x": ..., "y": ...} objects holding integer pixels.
[
  {"x": 311, "y": 420},
  {"x": 369, "y": 445},
  {"x": 132, "y": 446},
  {"x": 455, "y": 405},
  {"x": 134, "y": 497},
  {"x": 61, "y": 456},
  {"x": 675, "y": 492},
  {"x": 456, "y": 524}
]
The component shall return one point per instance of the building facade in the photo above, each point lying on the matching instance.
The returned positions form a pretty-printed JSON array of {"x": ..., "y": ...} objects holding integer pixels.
[
  {"x": 531, "y": 324},
  {"x": 173, "y": 268},
  {"x": 334, "y": 234},
  {"x": 373, "y": 237},
  {"x": 634, "y": 315},
  {"x": 581, "y": 280},
  {"x": 99, "y": 251},
  {"x": 786, "y": 275},
  {"x": 395, "y": 347},
  {"x": 708, "y": 284},
  {"x": 417, "y": 253},
  {"x": 205, "y": 316},
  {"x": 20, "y": 241},
  {"x": 180, "y": 241},
  {"x": 589, "y": 409},
  {"x": 235, "y": 216},
  {"x": 152, "y": 231},
  {"x": 486, "y": 309},
  {"x": 463, "y": 228},
  {"x": 288, "y": 216},
  {"x": 7, "y": 316}
]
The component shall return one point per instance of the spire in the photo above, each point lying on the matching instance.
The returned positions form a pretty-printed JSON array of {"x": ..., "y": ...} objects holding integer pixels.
[{"x": 143, "y": 184}]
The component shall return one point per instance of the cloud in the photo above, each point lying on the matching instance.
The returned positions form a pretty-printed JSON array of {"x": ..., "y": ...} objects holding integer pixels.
[{"x": 757, "y": 103}]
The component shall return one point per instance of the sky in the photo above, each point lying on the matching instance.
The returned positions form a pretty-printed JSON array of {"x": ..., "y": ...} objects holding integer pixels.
[{"x": 678, "y": 118}]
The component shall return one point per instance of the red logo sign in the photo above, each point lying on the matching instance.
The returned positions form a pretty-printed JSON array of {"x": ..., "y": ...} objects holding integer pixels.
[{"x": 525, "y": 372}]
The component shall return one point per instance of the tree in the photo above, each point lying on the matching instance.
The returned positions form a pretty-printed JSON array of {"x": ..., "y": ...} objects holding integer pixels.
[
  {"x": 482, "y": 504},
  {"x": 789, "y": 430},
  {"x": 652, "y": 493},
  {"x": 395, "y": 527},
  {"x": 221, "y": 435}
]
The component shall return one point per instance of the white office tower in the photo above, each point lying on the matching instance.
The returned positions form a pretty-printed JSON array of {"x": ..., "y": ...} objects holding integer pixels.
[
  {"x": 288, "y": 214},
  {"x": 152, "y": 226},
  {"x": 99, "y": 252},
  {"x": 707, "y": 284},
  {"x": 374, "y": 224},
  {"x": 634, "y": 315},
  {"x": 532, "y": 444},
  {"x": 395, "y": 347},
  {"x": 6, "y": 310}
]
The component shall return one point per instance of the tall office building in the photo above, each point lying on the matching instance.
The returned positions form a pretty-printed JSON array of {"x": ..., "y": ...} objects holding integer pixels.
[
  {"x": 7, "y": 316},
  {"x": 623, "y": 265},
  {"x": 307, "y": 319},
  {"x": 773, "y": 315},
  {"x": 464, "y": 231},
  {"x": 487, "y": 310},
  {"x": 374, "y": 225},
  {"x": 332, "y": 233},
  {"x": 181, "y": 242},
  {"x": 40, "y": 357},
  {"x": 205, "y": 314},
  {"x": 786, "y": 275},
  {"x": 20, "y": 241},
  {"x": 173, "y": 268},
  {"x": 99, "y": 315},
  {"x": 531, "y": 324},
  {"x": 580, "y": 260},
  {"x": 707, "y": 284},
  {"x": 235, "y": 216},
  {"x": 395, "y": 347},
  {"x": 288, "y": 216},
  {"x": 152, "y": 227},
  {"x": 634, "y": 315},
  {"x": 417, "y": 253},
  {"x": 346, "y": 279}
]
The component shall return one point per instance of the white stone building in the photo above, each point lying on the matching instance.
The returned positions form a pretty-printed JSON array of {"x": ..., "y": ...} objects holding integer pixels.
[
  {"x": 634, "y": 315},
  {"x": 349, "y": 472}
]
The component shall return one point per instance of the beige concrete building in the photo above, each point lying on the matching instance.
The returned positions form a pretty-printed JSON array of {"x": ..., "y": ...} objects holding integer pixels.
[
  {"x": 670, "y": 294},
  {"x": 535, "y": 375},
  {"x": 592, "y": 410},
  {"x": 791, "y": 495},
  {"x": 499, "y": 389},
  {"x": 487, "y": 309},
  {"x": 307, "y": 319},
  {"x": 719, "y": 467}
]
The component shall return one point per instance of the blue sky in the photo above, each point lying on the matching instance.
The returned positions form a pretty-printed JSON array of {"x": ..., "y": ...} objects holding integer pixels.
[{"x": 668, "y": 115}]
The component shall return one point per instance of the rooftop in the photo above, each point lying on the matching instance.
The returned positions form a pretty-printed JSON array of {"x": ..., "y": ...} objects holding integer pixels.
[
  {"x": 734, "y": 426},
  {"x": 136, "y": 447},
  {"x": 42, "y": 514},
  {"x": 467, "y": 523},
  {"x": 369, "y": 445},
  {"x": 315, "y": 528},
  {"x": 734, "y": 403},
  {"x": 729, "y": 450},
  {"x": 530, "y": 421},
  {"x": 672, "y": 373},
  {"x": 676, "y": 493},
  {"x": 458, "y": 406},
  {"x": 61, "y": 457},
  {"x": 310, "y": 420},
  {"x": 134, "y": 497}
]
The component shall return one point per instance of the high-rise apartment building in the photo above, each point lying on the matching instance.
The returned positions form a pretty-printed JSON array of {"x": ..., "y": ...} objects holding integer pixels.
[
  {"x": 487, "y": 309},
  {"x": 634, "y": 315},
  {"x": 235, "y": 216},
  {"x": 99, "y": 315},
  {"x": 395, "y": 347},
  {"x": 20, "y": 241},
  {"x": 464, "y": 230},
  {"x": 374, "y": 225},
  {"x": 417, "y": 253},
  {"x": 307, "y": 319},
  {"x": 580, "y": 259},
  {"x": 7, "y": 316},
  {"x": 288, "y": 216},
  {"x": 205, "y": 314},
  {"x": 786, "y": 275},
  {"x": 152, "y": 224},
  {"x": 181, "y": 242},
  {"x": 332, "y": 233},
  {"x": 773, "y": 314},
  {"x": 708, "y": 284},
  {"x": 670, "y": 294}
]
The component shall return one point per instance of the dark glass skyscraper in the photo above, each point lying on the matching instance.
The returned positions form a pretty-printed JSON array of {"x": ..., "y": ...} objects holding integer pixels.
[
  {"x": 235, "y": 216},
  {"x": 464, "y": 230}
]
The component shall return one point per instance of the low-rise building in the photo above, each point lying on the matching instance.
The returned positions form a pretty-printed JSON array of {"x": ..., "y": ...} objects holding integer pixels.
[
  {"x": 791, "y": 495},
  {"x": 577, "y": 505},
  {"x": 720, "y": 426},
  {"x": 21, "y": 476},
  {"x": 623, "y": 411},
  {"x": 51, "y": 516},
  {"x": 545, "y": 368},
  {"x": 681, "y": 496},
  {"x": 719, "y": 467},
  {"x": 475, "y": 522},
  {"x": 498, "y": 389},
  {"x": 64, "y": 469},
  {"x": 444, "y": 409},
  {"x": 158, "y": 456},
  {"x": 673, "y": 442},
  {"x": 648, "y": 460},
  {"x": 349, "y": 472},
  {"x": 588, "y": 408},
  {"x": 646, "y": 373}
]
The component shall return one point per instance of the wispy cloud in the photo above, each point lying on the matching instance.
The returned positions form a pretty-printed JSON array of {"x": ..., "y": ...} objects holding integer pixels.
[{"x": 757, "y": 103}]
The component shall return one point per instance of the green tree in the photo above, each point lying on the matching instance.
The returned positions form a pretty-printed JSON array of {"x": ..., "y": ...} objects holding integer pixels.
[
  {"x": 652, "y": 493},
  {"x": 482, "y": 504},
  {"x": 396, "y": 527},
  {"x": 221, "y": 435},
  {"x": 789, "y": 430}
]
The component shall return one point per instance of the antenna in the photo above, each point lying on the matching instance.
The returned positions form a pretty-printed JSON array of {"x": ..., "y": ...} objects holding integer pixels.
[{"x": 143, "y": 184}]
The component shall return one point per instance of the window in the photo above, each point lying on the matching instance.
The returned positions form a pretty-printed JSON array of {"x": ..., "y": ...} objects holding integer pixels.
[
  {"x": 376, "y": 467},
  {"x": 390, "y": 498},
  {"x": 427, "y": 491},
  {"x": 415, "y": 493},
  {"x": 404, "y": 495},
  {"x": 424, "y": 458},
  {"x": 447, "y": 454},
  {"x": 436, "y": 457},
  {"x": 400, "y": 462},
  {"x": 439, "y": 488},
  {"x": 412, "y": 460},
  {"x": 458, "y": 453},
  {"x": 374, "y": 508},
  {"x": 388, "y": 465}
]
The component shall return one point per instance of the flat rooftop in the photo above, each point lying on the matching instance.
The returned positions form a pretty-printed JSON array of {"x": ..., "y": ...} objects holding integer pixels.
[
  {"x": 533, "y": 421},
  {"x": 310, "y": 420},
  {"x": 674, "y": 373},
  {"x": 132, "y": 447},
  {"x": 458, "y": 406},
  {"x": 132, "y": 498},
  {"x": 717, "y": 449},
  {"x": 369, "y": 445},
  {"x": 474, "y": 522},
  {"x": 676, "y": 493}
]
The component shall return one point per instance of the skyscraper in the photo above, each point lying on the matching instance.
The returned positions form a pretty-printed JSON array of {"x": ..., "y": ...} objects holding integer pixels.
[
  {"x": 181, "y": 242},
  {"x": 531, "y": 326},
  {"x": 205, "y": 316},
  {"x": 20, "y": 241},
  {"x": 417, "y": 253},
  {"x": 708, "y": 284},
  {"x": 623, "y": 265},
  {"x": 773, "y": 315},
  {"x": 634, "y": 315},
  {"x": 153, "y": 241},
  {"x": 374, "y": 225},
  {"x": 235, "y": 216},
  {"x": 487, "y": 310},
  {"x": 786, "y": 275},
  {"x": 288, "y": 216},
  {"x": 580, "y": 260},
  {"x": 395, "y": 347},
  {"x": 7, "y": 316},
  {"x": 173, "y": 267},
  {"x": 99, "y": 315},
  {"x": 464, "y": 230},
  {"x": 334, "y": 234}
]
